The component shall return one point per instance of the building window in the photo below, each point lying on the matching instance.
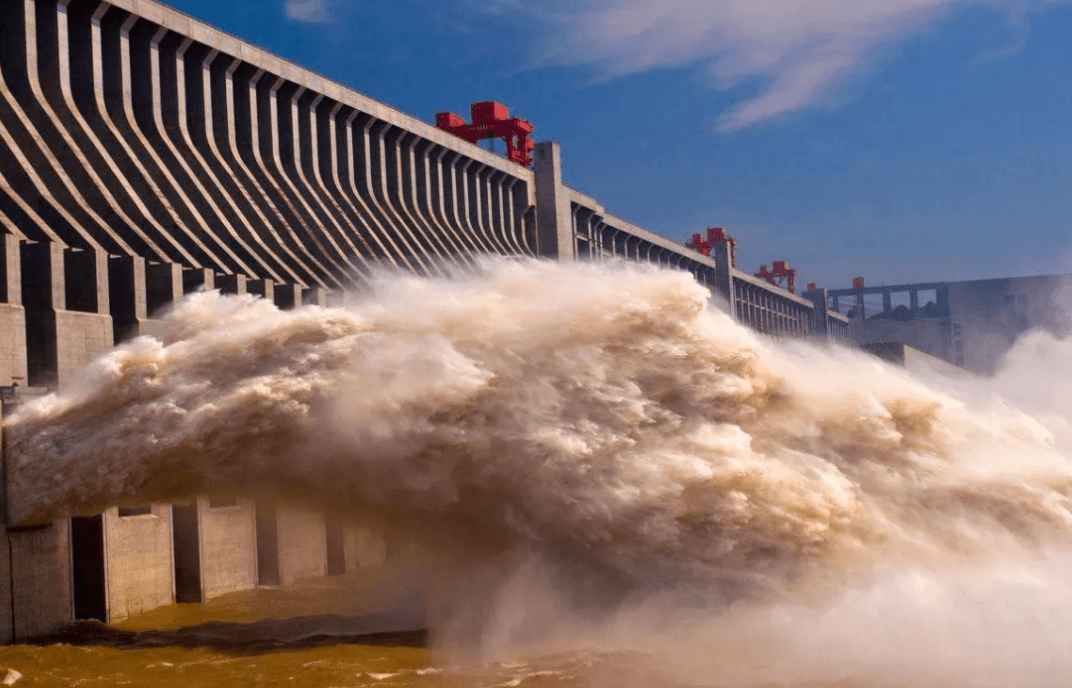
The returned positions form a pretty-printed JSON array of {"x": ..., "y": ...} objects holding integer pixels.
[
  {"x": 222, "y": 502},
  {"x": 127, "y": 512}
]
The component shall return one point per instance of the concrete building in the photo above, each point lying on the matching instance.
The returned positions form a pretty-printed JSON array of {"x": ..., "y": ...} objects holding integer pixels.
[
  {"x": 147, "y": 155},
  {"x": 971, "y": 324}
]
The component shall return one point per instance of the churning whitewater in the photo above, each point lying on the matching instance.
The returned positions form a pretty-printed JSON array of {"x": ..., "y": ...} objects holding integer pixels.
[{"x": 605, "y": 418}]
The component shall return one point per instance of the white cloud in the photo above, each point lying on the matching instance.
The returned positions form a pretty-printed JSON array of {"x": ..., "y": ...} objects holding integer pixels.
[
  {"x": 800, "y": 50},
  {"x": 311, "y": 11}
]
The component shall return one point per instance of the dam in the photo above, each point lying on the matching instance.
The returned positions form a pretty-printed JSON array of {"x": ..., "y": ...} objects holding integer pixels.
[{"x": 147, "y": 156}]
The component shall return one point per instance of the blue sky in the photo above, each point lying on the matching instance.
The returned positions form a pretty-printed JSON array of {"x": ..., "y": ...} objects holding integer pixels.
[{"x": 901, "y": 140}]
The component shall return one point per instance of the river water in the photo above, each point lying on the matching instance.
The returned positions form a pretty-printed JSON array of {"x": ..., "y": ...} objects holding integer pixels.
[{"x": 616, "y": 485}]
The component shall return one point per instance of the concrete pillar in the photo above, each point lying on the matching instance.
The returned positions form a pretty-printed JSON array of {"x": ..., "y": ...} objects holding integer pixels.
[
  {"x": 364, "y": 545},
  {"x": 913, "y": 302},
  {"x": 941, "y": 295},
  {"x": 140, "y": 291},
  {"x": 887, "y": 304},
  {"x": 232, "y": 284},
  {"x": 860, "y": 315},
  {"x": 42, "y": 271},
  {"x": 10, "y": 270},
  {"x": 820, "y": 318},
  {"x": 40, "y": 561},
  {"x": 7, "y": 621},
  {"x": 60, "y": 342},
  {"x": 263, "y": 288},
  {"x": 12, "y": 315},
  {"x": 554, "y": 228},
  {"x": 35, "y": 572},
  {"x": 86, "y": 281},
  {"x": 228, "y": 545},
  {"x": 139, "y": 568},
  {"x": 287, "y": 296},
  {"x": 163, "y": 286},
  {"x": 126, "y": 281},
  {"x": 194, "y": 279},
  {"x": 291, "y": 542},
  {"x": 720, "y": 253},
  {"x": 302, "y": 542}
]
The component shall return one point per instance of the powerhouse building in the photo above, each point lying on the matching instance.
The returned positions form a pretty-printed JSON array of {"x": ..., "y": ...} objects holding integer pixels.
[{"x": 971, "y": 324}]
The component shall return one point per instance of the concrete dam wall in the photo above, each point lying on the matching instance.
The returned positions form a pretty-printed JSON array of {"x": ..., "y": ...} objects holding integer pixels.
[{"x": 146, "y": 155}]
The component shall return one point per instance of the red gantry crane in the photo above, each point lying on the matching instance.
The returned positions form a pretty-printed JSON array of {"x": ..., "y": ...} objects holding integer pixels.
[
  {"x": 779, "y": 274},
  {"x": 492, "y": 120},
  {"x": 714, "y": 235}
]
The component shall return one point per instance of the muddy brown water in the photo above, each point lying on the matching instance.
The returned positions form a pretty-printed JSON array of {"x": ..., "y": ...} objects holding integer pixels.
[{"x": 304, "y": 635}]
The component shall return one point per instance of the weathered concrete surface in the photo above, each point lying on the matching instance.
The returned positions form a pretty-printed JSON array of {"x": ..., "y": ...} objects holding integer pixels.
[
  {"x": 365, "y": 545},
  {"x": 80, "y": 338},
  {"x": 302, "y": 542},
  {"x": 41, "y": 599},
  {"x": 138, "y": 561},
  {"x": 12, "y": 345},
  {"x": 914, "y": 360},
  {"x": 228, "y": 547},
  {"x": 929, "y": 335},
  {"x": 35, "y": 579}
]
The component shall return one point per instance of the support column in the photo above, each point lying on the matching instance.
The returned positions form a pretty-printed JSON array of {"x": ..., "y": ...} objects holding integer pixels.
[
  {"x": 232, "y": 284},
  {"x": 820, "y": 319},
  {"x": 68, "y": 320},
  {"x": 12, "y": 314},
  {"x": 554, "y": 226},
  {"x": 163, "y": 286},
  {"x": 44, "y": 292},
  {"x": 720, "y": 253},
  {"x": 86, "y": 281},
  {"x": 126, "y": 281},
  {"x": 40, "y": 561},
  {"x": 194, "y": 279},
  {"x": 287, "y": 296},
  {"x": 263, "y": 288}
]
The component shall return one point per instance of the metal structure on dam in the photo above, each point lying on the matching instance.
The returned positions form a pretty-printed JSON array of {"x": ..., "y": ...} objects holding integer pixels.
[{"x": 144, "y": 155}]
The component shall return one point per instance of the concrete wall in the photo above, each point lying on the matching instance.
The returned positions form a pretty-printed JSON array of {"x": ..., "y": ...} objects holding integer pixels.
[
  {"x": 35, "y": 576},
  {"x": 364, "y": 545},
  {"x": 41, "y": 600},
  {"x": 972, "y": 324},
  {"x": 12, "y": 314},
  {"x": 12, "y": 345},
  {"x": 302, "y": 542},
  {"x": 988, "y": 316},
  {"x": 929, "y": 335},
  {"x": 80, "y": 338},
  {"x": 228, "y": 547},
  {"x": 139, "y": 567},
  {"x": 914, "y": 360}
]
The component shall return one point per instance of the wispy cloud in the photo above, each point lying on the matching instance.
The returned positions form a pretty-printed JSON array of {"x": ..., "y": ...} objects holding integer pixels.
[
  {"x": 800, "y": 51},
  {"x": 310, "y": 11}
]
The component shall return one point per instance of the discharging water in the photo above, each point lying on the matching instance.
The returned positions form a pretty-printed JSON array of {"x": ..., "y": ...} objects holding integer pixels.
[{"x": 618, "y": 486}]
